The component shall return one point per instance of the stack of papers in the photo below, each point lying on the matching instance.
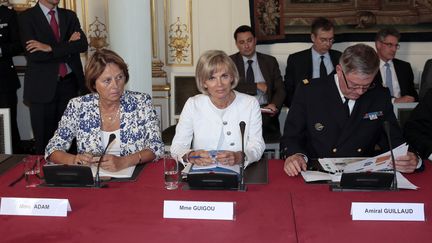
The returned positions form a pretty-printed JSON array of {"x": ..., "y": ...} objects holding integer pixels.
[{"x": 334, "y": 167}]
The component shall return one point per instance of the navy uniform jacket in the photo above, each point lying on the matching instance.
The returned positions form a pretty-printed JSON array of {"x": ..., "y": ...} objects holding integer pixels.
[
  {"x": 10, "y": 46},
  {"x": 41, "y": 75},
  {"x": 318, "y": 127},
  {"x": 299, "y": 67},
  {"x": 405, "y": 76}
]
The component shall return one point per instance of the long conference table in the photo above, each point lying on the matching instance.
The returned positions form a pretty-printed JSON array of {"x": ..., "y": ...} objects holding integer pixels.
[{"x": 284, "y": 210}]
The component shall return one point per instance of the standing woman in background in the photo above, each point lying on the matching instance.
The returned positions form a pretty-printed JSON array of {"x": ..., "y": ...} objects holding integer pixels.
[{"x": 109, "y": 109}]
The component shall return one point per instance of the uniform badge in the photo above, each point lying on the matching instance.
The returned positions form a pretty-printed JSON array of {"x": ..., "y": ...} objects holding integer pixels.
[
  {"x": 305, "y": 81},
  {"x": 373, "y": 115},
  {"x": 319, "y": 127}
]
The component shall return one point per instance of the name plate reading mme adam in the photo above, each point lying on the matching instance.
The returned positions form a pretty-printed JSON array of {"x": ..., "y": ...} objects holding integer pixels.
[
  {"x": 34, "y": 206},
  {"x": 388, "y": 211},
  {"x": 198, "y": 210}
]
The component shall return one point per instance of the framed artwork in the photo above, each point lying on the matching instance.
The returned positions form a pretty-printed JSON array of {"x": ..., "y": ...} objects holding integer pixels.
[{"x": 355, "y": 20}]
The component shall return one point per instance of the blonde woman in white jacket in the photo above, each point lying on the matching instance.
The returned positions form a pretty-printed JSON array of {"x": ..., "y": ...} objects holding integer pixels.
[{"x": 208, "y": 128}]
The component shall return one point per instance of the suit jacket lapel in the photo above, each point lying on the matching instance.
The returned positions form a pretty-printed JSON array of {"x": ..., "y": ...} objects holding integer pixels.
[
  {"x": 40, "y": 17},
  {"x": 336, "y": 102},
  {"x": 308, "y": 65},
  {"x": 240, "y": 65},
  {"x": 263, "y": 68},
  {"x": 62, "y": 24}
]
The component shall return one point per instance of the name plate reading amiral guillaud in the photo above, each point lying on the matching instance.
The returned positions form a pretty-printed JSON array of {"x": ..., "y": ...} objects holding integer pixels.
[
  {"x": 34, "y": 206},
  {"x": 388, "y": 211},
  {"x": 198, "y": 210}
]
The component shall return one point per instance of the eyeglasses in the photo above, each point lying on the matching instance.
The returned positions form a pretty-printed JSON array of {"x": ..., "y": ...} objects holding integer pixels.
[
  {"x": 390, "y": 45},
  {"x": 326, "y": 40},
  {"x": 362, "y": 87}
]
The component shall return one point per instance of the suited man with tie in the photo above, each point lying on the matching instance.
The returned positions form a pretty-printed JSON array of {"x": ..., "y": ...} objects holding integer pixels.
[
  {"x": 317, "y": 61},
  {"x": 53, "y": 40},
  {"x": 9, "y": 83},
  {"x": 342, "y": 115},
  {"x": 395, "y": 74},
  {"x": 259, "y": 76}
]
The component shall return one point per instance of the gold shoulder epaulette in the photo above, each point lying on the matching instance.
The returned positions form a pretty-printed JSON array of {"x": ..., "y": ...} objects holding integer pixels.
[{"x": 305, "y": 81}]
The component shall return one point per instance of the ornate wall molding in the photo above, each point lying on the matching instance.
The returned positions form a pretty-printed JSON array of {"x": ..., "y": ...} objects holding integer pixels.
[{"x": 178, "y": 30}]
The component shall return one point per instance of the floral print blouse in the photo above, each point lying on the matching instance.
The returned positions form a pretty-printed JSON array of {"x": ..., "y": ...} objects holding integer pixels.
[{"x": 139, "y": 126}]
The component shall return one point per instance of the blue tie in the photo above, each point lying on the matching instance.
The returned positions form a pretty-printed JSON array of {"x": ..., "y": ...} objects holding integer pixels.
[{"x": 389, "y": 81}]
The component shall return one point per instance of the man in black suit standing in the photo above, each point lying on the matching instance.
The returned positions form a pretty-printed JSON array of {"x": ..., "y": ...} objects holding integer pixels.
[
  {"x": 259, "y": 76},
  {"x": 395, "y": 74},
  {"x": 53, "y": 40},
  {"x": 9, "y": 83},
  {"x": 342, "y": 115},
  {"x": 317, "y": 61}
]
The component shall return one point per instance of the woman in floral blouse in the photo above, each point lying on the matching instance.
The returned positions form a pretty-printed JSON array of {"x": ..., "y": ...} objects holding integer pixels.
[{"x": 109, "y": 109}]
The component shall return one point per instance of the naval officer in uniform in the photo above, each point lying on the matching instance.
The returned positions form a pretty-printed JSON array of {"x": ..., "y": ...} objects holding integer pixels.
[{"x": 342, "y": 116}]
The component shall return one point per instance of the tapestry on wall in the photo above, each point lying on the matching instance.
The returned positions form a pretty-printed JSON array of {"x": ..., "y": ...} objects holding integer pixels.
[{"x": 355, "y": 20}]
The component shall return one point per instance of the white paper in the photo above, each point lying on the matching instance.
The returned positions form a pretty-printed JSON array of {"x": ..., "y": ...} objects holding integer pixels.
[
  {"x": 310, "y": 176},
  {"x": 235, "y": 168},
  {"x": 388, "y": 211},
  {"x": 403, "y": 182},
  {"x": 34, "y": 206},
  {"x": 198, "y": 210},
  {"x": 125, "y": 173}
]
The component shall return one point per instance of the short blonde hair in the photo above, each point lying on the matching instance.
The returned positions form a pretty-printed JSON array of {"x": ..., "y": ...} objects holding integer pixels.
[{"x": 211, "y": 62}]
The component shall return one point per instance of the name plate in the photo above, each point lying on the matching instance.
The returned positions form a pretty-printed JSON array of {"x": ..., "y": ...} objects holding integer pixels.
[
  {"x": 34, "y": 206},
  {"x": 198, "y": 210},
  {"x": 388, "y": 211}
]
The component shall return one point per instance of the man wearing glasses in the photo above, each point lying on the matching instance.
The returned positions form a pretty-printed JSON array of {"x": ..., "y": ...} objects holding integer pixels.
[
  {"x": 342, "y": 115},
  {"x": 395, "y": 74},
  {"x": 317, "y": 61}
]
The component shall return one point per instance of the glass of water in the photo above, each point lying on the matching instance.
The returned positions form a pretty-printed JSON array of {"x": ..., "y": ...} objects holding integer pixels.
[
  {"x": 32, "y": 171},
  {"x": 171, "y": 172}
]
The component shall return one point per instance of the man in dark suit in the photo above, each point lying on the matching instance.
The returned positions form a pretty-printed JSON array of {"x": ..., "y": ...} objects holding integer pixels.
[
  {"x": 53, "y": 40},
  {"x": 342, "y": 115},
  {"x": 311, "y": 63},
  {"x": 418, "y": 128},
  {"x": 264, "y": 81},
  {"x": 395, "y": 74},
  {"x": 9, "y": 83}
]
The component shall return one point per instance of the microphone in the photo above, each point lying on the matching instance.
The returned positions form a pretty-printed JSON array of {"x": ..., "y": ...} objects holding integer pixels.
[
  {"x": 242, "y": 130},
  {"x": 386, "y": 125},
  {"x": 97, "y": 183}
]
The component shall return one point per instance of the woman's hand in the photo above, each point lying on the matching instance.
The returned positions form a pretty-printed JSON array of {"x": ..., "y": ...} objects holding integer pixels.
[
  {"x": 112, "y": 163},
  {"x": 200, "y": 157},
  {"x": 229, "y": 157},
  {"x": 83, "y": 159}
]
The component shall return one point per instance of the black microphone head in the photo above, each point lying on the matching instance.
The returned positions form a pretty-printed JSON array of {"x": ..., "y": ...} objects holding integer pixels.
[
  {"x": 111, "y": 138},
  {"x": 242, "y": 126}
]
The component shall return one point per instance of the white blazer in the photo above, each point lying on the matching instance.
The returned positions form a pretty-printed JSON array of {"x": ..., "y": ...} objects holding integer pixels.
[{"x": 200, "y": 124}]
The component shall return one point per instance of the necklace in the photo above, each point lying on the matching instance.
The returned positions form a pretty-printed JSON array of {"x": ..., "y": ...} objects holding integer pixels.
[{"x": 110, "y": 118}]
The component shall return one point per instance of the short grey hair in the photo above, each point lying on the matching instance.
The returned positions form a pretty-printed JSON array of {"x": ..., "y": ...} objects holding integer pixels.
[
  {"x": 361, "y": 59},
  {"x": 211, "y": 62},
  {"x": 390, "y": 31}
]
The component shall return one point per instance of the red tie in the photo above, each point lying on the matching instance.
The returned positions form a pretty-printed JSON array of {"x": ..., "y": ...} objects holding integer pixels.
[{"x": 55, "y": 29}]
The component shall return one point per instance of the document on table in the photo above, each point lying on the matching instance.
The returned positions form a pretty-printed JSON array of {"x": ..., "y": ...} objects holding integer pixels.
[{"x": 334, "y": 167}]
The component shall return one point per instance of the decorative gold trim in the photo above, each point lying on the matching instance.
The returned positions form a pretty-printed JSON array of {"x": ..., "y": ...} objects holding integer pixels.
[
  {"x": 178, "y": 40},
  {"x": 165, "y": 87},
  {"x": 154, "y": 24}
]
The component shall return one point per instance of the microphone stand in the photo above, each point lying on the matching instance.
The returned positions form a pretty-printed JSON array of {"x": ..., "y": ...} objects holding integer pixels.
[
  {"x": 387, "y": 131},
  {"x": 97, "y": 183},
  {"x": 242, "y": 186}
]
